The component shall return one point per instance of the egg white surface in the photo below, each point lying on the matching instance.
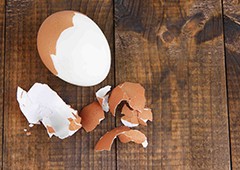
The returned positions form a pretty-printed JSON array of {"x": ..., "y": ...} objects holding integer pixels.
[{"x": 83, "y": 55}]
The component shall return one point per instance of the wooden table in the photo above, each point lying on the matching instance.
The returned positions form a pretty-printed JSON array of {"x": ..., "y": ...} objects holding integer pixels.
[{"x": 185, "y": 53}]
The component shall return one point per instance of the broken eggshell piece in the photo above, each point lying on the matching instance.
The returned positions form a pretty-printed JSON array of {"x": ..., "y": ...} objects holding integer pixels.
[
  {"x": 130, "y": 117},
  {"x": 91, "y": 115},
  {"x": 42, "y": 104},
  {"x": 133, "y": 118},
  {"x": 145, "y": 115},
  {"x": 132, "y": 93},
  {"x": 106, "y": 141},
  {"x": 125, "y": 135},
  {"x": 73, "y": 47},
  {"x": 102, "y": 97},
  {"x": 133, "y": 136}
]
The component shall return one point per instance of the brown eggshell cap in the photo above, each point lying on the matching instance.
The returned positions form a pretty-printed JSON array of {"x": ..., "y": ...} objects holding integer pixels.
[
  {"x": 49, "y": 33},
  {"x": 91, "y": 116},
  {"x": 106, "y": 140},
  {"x": 132, "y": 135},
  {"x": 133, "y": 93}
]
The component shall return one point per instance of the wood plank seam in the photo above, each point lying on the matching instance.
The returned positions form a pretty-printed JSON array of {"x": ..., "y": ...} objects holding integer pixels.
[
  {"x": 114, "y": 81},
  {"x": 225, "y": 59},
  {"x": 232, "y": 54},
  {"x": 114, "y": 76},
  {"x": 3, "y": 79}
]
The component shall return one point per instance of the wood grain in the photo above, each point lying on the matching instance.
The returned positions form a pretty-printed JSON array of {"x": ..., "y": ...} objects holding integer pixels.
[
  {"x": 232, "y": 41},
  {"x": 23, "y": 68},
  {"x": 175, "y": 50},
  {"x": 2, "y": 33}
]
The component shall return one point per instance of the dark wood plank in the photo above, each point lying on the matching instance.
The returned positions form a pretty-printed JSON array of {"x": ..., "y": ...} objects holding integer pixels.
[
  {"x": 2, "y": 33},
  {"x": 175, "y": 50},
  {"x": 24, "y": 68},
  {"x": 232, "y": 44}
]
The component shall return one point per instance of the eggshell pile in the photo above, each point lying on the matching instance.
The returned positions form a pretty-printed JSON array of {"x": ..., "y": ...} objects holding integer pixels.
[
  {"x": 42, "y": 104},
  {"x": 74, "y": 48},
  {"x": 134, "y": 111}
]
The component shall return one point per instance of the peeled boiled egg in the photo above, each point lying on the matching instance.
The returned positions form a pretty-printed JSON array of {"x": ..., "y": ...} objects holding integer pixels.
[{"x": 74, "y": 48}]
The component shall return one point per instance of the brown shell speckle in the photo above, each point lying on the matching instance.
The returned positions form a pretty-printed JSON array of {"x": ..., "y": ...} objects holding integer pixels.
[{"x": 50, "y": 129}]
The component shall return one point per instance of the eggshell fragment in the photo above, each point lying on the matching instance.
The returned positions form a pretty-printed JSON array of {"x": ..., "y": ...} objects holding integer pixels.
[
  {"x": 42, "y": 104},
  {"x": 106, "y": 140},
  {"x": 145, "y": 115},
  {"x": 133, "y": 118},
  {"x": 132, "y": 93},
  {"x": 130, "y": 117},
  {"x": 116, "y": 97},
  {"x": 31, "y": 125},
  {"x": 130, "y": 122},
  {"x": 91, "y": 115},
  {"x": 142, "y": 122},
  {"x": 74, "y": 48},
  {"x": 134, "y": 136},
  {"x": 125, "y": 135},
  {"x": 102, "y": 97}
]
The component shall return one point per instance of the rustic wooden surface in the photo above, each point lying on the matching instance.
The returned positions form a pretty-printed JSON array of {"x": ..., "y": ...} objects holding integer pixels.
[
  {"x": 232, "y": 48},
  {"x": 175, "y": 49},
  {"x": 2, "y": 32},
  {"x": 23, "y": 67}
]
